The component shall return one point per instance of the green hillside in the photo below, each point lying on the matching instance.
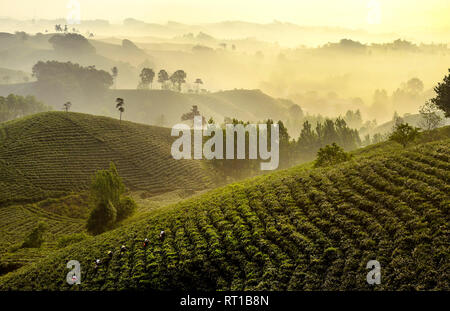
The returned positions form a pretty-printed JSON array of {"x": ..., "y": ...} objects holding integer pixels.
[
  {"x": 297, "y": 229},
  {"x": 56, "y": 153}
]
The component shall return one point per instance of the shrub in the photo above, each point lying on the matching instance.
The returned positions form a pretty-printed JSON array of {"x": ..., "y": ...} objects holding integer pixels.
[
  {"x": 36, "y": 237},
  {"x": 126, "y": 208},
  {"x": 331, "y": 155},
  {"x": 102, "y": 218}
]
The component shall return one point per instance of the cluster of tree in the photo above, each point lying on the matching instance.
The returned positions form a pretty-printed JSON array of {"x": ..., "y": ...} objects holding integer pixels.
[
  {"x": 174, "y": 81},
  {"x": 110, "y": 206},
  {"x": 326, "y": 133},
  {"x": 291, "y": 152},
  {"x": 69, "y": 81},
  {"x": 16, "y": 106}
]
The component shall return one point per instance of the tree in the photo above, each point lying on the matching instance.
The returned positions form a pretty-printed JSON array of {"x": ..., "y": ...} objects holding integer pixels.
[
  {"x": 191, "y": 114},
  {"x": 36, "y": 237},
  {"x": 404, "y": 134},
  {"x": 67, "y": 106},
  {"x": 147, "y": 75},
  {"x": 331, "y": 155},
  {"x": 120, "y": 106},
  {"x": 442, "y": 99},
  {"x": 58, "y": 28},
  {"x": 127, "y": 206},
  {"x": 163, "y": 77},
  {"x": 110, "y": 206},
  {"x": 178, "y": 78},
  {"x": 102, "y": 218},
  {"x": 57, "y": 82},
  {"x": 115, "y": 73},
  {"x": 430, "y": 116},
  {"x": 198, "y": 82}
]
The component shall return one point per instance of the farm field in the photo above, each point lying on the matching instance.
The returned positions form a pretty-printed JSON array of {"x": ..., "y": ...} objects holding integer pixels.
[
  {"x": 55, "y": 153},
  {"x": 297, "y": 229}
]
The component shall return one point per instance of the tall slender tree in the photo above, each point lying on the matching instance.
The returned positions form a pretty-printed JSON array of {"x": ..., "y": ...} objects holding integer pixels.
[{"x": 120, "y": 106}]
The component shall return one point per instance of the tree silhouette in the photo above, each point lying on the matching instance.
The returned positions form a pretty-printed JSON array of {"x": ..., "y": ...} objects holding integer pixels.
[
  {"x": 58, "y": 28},
  {"x": 178, "y": 78},
  {"x": 120, "y": 106},
  {"x": 147, "y": 75},
  {"x": 191, "y": 114},
  {"x": 198, "y": 81},
  {"x": 442, "y": 99},
  {"x": 67, "y": 106},
  {"x": 115, "y": 73},
  {"x": 404, "y": 134},
  {"x": 163, "y": 77}
]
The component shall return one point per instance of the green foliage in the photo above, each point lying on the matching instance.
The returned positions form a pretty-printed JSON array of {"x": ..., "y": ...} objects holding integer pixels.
[
  {"x": 107, "y": 186},
  {"x": 326, "y": 133},
  {"x": 109, "y": 206},
  {"x": 69, "y": 239},
  {"x": 40, "y": 158},
  {"x": 16, "y": 106},
  {"x": 290, "y": 230},
  {"x": 126, "y": 207},
  {"x": 404, "y": 134},
  {"x": 331, "y": 155},
  {"x": 36, "y": 237},
  {"x": 442, "y": 99},
  {"x": 102, "y": 218}
]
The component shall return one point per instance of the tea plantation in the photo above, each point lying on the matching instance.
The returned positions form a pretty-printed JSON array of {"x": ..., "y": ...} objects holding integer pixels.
[
  {"x": 292, "y": 230},
  {"x": 56, "y": 153}
]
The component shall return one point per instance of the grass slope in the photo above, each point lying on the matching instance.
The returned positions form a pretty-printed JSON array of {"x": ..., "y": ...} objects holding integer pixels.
[
  {"x": 54, "y": 153},
  {"x": 292, "y": 230}
]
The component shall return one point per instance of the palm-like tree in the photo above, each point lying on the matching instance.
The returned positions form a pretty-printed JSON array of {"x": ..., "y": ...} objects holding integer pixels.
[
  {"x": 120, "y": 106},
  {"x": 67, "y": 106}
]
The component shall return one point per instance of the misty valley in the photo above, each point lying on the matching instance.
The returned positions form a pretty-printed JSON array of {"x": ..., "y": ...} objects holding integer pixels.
[{"x": 220, "y": 153}]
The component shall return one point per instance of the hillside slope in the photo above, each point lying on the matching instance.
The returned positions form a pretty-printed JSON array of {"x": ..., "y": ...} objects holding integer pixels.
[
  {"x": 51, "y": 154},
  {"x": 146, "y": 106},
  {"x": 292, "y": 230}
]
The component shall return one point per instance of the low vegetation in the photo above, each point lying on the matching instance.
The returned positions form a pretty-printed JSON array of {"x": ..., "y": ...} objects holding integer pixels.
[{"x": 297, "y": 229}]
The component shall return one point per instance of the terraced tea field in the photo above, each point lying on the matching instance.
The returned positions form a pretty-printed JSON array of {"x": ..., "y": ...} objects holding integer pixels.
[
  {"x": 56, "y": 153},
  {"x": 291, "y": 230}
]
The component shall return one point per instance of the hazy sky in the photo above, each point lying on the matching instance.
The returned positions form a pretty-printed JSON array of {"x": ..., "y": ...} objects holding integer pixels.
[{"x": 385, "y": 15}]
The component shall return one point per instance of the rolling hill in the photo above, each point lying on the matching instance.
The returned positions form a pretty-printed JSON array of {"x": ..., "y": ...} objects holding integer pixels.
[
  {"x": 298, "y": 229},
  {"x": 55, "y": 153}
]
